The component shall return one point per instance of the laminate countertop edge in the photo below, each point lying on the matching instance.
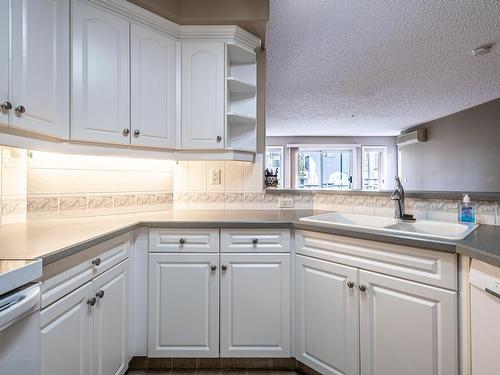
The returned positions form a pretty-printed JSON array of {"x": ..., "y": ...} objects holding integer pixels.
[{"x": 471, "y": 246}]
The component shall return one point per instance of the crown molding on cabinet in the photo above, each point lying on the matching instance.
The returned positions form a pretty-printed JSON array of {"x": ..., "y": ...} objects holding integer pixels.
[
  {"x": 138, "y": 14},
  {"x": 227, "y": 33}
]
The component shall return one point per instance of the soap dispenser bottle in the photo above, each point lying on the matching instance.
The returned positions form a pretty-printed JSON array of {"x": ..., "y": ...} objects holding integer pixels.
[{"x": 466, "y": 211}]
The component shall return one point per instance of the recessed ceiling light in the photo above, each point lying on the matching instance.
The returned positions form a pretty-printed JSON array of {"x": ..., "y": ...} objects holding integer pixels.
[{"x": 482, "y": 50}]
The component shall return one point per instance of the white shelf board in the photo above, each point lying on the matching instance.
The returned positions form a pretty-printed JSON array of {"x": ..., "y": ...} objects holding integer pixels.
[
  {"x": 241, "y": 119},
  {"x": 237, "y": 86}
]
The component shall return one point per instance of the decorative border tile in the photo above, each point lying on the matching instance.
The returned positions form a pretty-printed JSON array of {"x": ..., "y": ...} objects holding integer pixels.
[
  {"x": 75, "y": 202},
  {"x": 124, "y": 200},
  {"x": 146, "y": 199},
  {"x": 235, "y": 197},
  {"x": 42, "y": 204},
  {"x": 100, "y": 201},
  {"x": 13, "y": 206}
]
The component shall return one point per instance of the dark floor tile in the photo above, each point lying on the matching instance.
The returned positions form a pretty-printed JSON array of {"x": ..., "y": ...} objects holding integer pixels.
[
  {"x": 184, "y": 363},
  {"x": 164, "y": 364},
  {"x": 283, "y": 363},
  {"x": 259, "y": 364},
  {"x": 233, "y": 372},
  {"x": 233, "y": 364},
  {"x": 209, "y": 363},
  {"x": 183, "y": 372}
]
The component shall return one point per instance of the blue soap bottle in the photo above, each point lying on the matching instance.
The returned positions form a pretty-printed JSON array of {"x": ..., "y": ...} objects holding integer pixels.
[{"x": 466, "y": 211}]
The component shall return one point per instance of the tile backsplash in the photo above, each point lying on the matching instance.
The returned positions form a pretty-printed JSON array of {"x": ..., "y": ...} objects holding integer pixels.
[{"x": 40, "y": 185}]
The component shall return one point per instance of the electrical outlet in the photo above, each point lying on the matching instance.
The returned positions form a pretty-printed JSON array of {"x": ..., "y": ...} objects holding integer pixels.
[
  {"x": 286, "y": 203},
  {"x": 215, "y": 177}
]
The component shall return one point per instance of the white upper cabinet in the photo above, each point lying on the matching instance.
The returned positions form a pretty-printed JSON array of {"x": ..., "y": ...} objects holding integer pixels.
[
  {"x": 255, "y": 305},
  {"x": 101, "y": 80},
  {"x": 39, "y": 66},
  {"x": 406, "y": 327},
  {"x": 4, "y": 62},
  {"x": 203, "y": 99},
  {"x": 153, "y": 85},
  {"x": 327, "y": 316}
]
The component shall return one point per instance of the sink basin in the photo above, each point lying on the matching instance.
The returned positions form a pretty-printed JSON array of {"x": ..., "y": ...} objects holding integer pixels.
[{"x": 418, "y": 228}]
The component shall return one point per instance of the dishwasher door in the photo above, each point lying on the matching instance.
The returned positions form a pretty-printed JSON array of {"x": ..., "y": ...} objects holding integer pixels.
[
  {"x": 485, "y": 318},
  {"x": 20, "y": 332}
]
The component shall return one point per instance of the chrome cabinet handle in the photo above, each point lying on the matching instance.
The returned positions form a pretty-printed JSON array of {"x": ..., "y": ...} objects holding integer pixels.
[
  {"x": 6, "y": 106},
  {"x": 255, "y": 241},
  {"x": 20, "y": 109},
  {"x": 91, "y": 301},
  {"x": 137, "y": 133},
  {"x": 219, "y": 138},
  {"x": 362, "y": 288},
  {"x": 213, "y": 268},
  {"x": 100, "y": 294},
  {"x": 223, "y": 267},
  {"x": 350, "y": 284},
  {"x": 182, "y": 241},
  {"x": 126, "y": 132},
  {"x": 96, "y": 261}
]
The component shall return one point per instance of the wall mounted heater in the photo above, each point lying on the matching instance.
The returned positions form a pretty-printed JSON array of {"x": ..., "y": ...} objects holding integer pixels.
[{"x": 416, "y": 136}]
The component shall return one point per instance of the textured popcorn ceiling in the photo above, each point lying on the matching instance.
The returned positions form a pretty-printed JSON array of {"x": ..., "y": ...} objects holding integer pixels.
[{"x": 390, "y": 63}]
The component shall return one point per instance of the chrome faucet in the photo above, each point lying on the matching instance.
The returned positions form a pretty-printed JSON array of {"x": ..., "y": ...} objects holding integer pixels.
[{"x": 398, "y": 196}]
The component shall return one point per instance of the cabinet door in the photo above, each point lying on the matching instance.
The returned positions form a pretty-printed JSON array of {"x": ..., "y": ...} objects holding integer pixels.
[
  {"x": 110, "y": 329},
  {"x": 183, "y": 305},
  {"x": 66, "y": 334},
  {"x": 406, "y": 327},
  {"x": 326, "y": 316},
  {"x": 153, "y": 80},
  {"x": 4, "y": 60},
  {"x": 202, "y": 95},
  {"x": 40, "y": 66},
  {"x": 255, "y": 305},
  {"x": 100, "y": 80}
]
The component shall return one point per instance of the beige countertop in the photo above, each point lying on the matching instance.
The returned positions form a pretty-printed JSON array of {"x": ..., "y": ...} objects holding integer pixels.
[{"x": 53, "y": 240}]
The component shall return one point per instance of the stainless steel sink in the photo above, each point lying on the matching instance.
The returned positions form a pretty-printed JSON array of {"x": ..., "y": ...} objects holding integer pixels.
[{"x": 418, "y": 228}]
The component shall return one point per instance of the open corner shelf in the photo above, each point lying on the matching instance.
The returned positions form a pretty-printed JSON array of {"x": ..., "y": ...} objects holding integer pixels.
[{"x": 237, "y": 86}]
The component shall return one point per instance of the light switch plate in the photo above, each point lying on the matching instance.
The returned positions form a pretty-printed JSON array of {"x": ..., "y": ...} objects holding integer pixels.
[{"x": 215, "y": 176}]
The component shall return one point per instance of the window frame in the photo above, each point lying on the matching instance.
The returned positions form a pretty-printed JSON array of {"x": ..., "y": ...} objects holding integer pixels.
[
  {"x": 383, "y": 165},
  {"x": 353, "y": 148},
  {"x": 281, "y": 150}
]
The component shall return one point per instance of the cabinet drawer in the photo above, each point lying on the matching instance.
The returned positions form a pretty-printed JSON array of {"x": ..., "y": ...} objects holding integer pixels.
[
  {"x": 425, "y": 266},
  {"x": 255, "y": 240},
  {"x": 92, "y": 262},
  {"x": 184, "y": 240}
]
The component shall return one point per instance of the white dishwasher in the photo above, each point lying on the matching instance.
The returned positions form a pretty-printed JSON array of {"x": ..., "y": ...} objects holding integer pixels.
[{"x": 485, "y": 318}]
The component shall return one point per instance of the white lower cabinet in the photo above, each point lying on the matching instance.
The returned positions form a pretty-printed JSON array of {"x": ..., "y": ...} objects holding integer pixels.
[
  {"x": 407, "y": 327},
  {"x": 110, "y": 324},
  {"x": 86, "y": 331},
  {"x": 399, "y": 326},
  {"x": 66, "y": 334},
  {"x": 255, "y": 305},
  {"x": 183, "y": 305},
  {"x": 327, "y": 316}
]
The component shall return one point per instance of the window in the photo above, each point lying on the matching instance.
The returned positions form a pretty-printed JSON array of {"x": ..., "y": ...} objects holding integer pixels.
[
  {"x": 274, "y": 161},
  {"x": 324, "y": 169},
  {"x": 373, "y": 161}
]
